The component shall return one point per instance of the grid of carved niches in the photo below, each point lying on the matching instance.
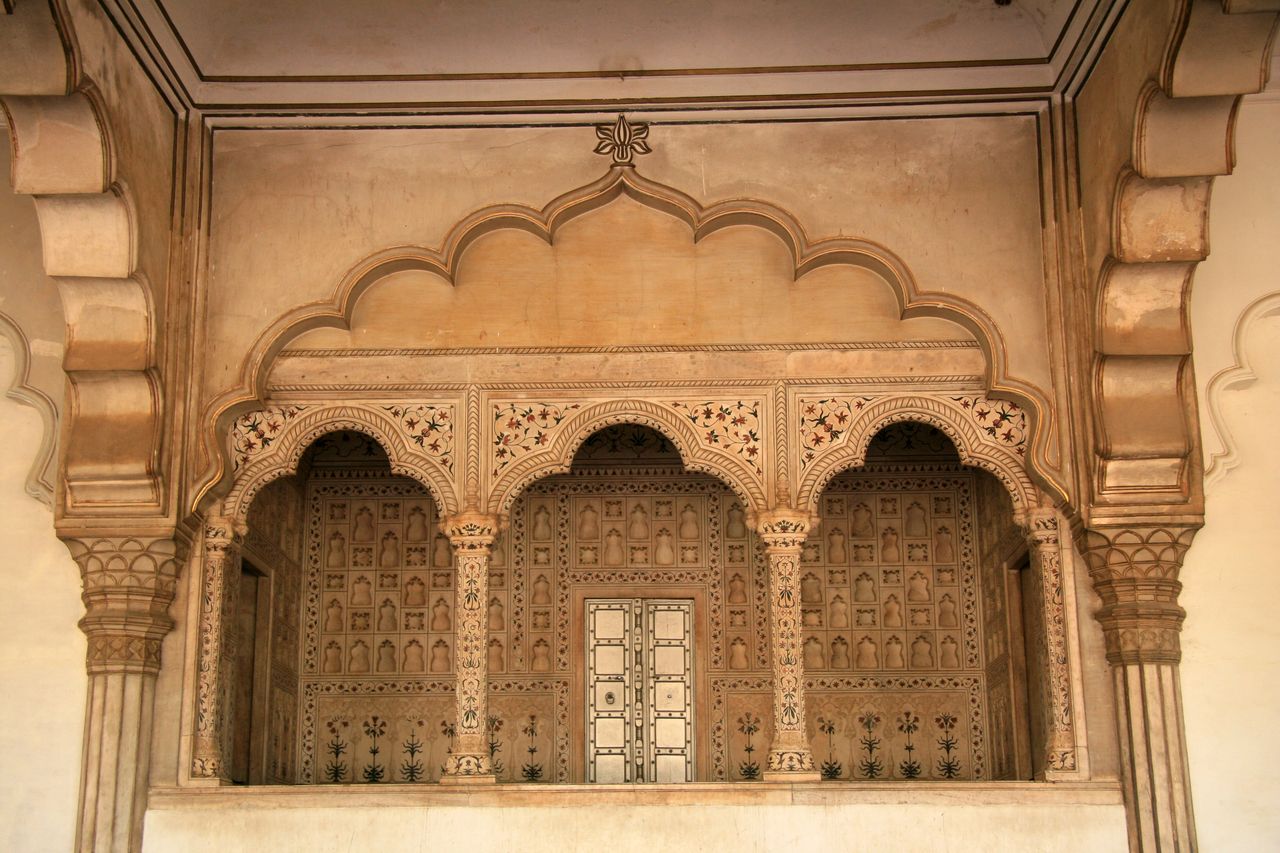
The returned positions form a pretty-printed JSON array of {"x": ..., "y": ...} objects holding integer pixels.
[
  {"x": 864, "y": 728},
  {"x": 380, "y": 582},
  {"x": 888, "y": 581},
  {"x": 402, "y": 730},
  {"x": 609, "y": 529}
]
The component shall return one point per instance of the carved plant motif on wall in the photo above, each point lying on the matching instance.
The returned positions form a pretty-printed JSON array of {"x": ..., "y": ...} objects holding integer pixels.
[
  {"x": 429, "y": 427},
  {"x": 949, "y": 764},
  {"x": 411, "y": 769},
  {"x": 909, "y": 724},
  {"x": 374, "y": 728},
  {"x": 870, "y": 766},
  {"x": 1004, "y": 422},
  {"x": 531, "y": 770},
  {"x": 520, "y": 428},
  {"x": 749, "y": 768},
  {"x": 729, "y": 425},
  {"x": 492, "y": 727},
  {"x": 335, "y": 770},
  {"x": 831, "y": 768},
  {"x": 825, "y": 422},
  {"x": 254, "y": 432}
]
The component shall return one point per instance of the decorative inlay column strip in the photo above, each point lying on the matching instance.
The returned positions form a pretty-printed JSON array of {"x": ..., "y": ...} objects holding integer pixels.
[
  {"x": 219, "y": 591},
  {"x": 783, "y": 533},
  {"x": 472, "y": 536}
]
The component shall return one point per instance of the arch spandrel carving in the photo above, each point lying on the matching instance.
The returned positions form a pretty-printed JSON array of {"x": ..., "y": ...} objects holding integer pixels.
[
  {"x": 989, "y": 434},
  {"x": 417, "y": 436},
  {"x": 553, "y": 441},
  {"x": 806, "y": 255}
]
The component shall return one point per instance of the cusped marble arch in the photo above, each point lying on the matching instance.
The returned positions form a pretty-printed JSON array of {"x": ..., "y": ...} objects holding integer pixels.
[
  {"x": 297, "y": 434},
  {"x": 581, "y": 422},
  {"x": 952, "y": 419}
]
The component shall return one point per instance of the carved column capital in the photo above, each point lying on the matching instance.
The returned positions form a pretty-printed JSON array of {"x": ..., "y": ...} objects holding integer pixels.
[
  {"x": 1135, "y": 571},
  {"x": 128, "y": 583},
  {"x": 783, "y": 529},
  {"x": 473, "y": 531}
]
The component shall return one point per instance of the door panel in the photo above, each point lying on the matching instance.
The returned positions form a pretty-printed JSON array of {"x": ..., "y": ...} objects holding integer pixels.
[{"x": 640, "y": 690}]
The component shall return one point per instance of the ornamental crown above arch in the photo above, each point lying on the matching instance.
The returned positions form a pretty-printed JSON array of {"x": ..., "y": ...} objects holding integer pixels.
[{"x": 269, "y": 443}]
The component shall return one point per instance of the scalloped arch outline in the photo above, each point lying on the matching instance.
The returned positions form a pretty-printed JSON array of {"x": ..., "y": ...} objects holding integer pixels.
[
  {"x": 807, "y": 255},
  {"x": 968, "y": 441},
  {"x": 298, "y": 435},
  {"x": 1238, "y": 376},
  {"x": 557, "y": 458},
  {"x": 38, "y": 485}
]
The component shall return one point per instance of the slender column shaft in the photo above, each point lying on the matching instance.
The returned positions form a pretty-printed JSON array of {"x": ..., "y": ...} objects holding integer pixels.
[
  {"x": 1055, "y": 723},
  {"x": 472, "y": 536},
  {"x": 790, "y": 759},
  {"x": 1135, "y": 569},
  {"x": 128, "y": 585},
  {"x": 219, "y": 592}
]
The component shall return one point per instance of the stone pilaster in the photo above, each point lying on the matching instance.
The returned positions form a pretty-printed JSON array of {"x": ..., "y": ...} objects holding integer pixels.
[
  {"x": 783, "y": 533},
  {"x": 472, "y": 536},
  {"x": 1054, "y": 722},
  {"x": 128, "y": 585},
  {"x": 219, "y": 592},
  {"x": 1135, "y": 571}
]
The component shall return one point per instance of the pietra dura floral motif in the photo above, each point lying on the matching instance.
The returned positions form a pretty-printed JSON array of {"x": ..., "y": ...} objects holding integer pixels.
[
  {"x": 825, "y": 422},
  {"x": 519, "y": 428},
  {"x": 1003, "y": 422},
  {"x": 255, "y": 432},
  {"x": 429, "y": 427},
  {"x": 733, "y": 426}
]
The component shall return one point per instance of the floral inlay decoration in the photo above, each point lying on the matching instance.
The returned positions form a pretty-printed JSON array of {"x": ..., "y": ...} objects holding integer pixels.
[
  {"x": 729, "y": 425},
  {"x": 255, "y": 432},
  {"x": 519, "y": 428},
  {"x": 430, "y": 427},
  {"x": 825, "y": 423},
  {"x": 1005, "y": 423}
]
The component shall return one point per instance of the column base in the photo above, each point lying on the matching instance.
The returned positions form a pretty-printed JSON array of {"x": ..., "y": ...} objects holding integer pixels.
[
  {"x": 484, "y": 779},
  {"x": 792, "y": 776}
]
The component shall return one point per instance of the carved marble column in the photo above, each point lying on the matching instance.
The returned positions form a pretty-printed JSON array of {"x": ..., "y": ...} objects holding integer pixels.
[
  {"x": 219, "y": 592},
  {"x": 128, "y": 585},
  {"x": 472, "y": 535},
  {"x": 1054, "y": 722},
  {"x": 783, "y": 533},
  {"x": 1135, "y": 571}
]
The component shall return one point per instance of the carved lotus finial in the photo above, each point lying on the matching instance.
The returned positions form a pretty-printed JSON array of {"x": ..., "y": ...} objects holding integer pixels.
[{"x": 623, "y": 140}]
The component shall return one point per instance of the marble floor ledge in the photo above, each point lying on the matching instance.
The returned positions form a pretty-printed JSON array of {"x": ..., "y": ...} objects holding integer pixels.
[{"x": 1092, "y": 793}]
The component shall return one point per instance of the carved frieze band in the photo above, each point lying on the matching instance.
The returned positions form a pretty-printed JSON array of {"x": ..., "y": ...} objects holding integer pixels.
[{"x": 128, "y": 584}]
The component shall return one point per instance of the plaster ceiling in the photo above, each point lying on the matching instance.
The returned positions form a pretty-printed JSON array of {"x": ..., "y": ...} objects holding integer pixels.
[{"x": 530, "y": 53}]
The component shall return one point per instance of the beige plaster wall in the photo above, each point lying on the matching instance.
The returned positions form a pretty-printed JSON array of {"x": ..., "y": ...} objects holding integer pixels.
[
  {"x": 42, "y": 677},
  {"x": 293, "y": 211},
  {"x": 1231, "y": 642}
]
